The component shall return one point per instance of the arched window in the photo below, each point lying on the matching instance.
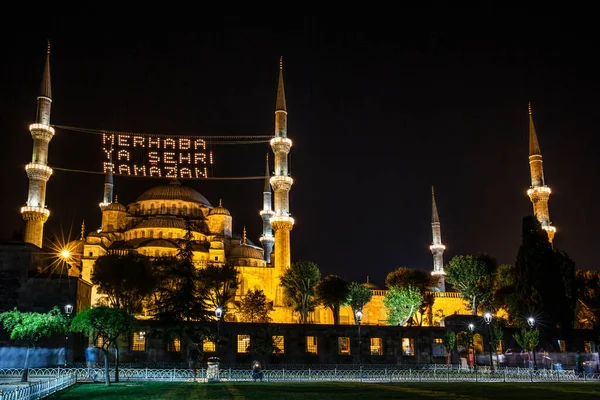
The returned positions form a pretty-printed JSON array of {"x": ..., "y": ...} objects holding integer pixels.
[
  {"x": 184, "y": 210},
  {"x": 143, "y": 234},
  {"x": 152, "y": 208},
  {"x": 160, "y": 234},
  {"x": 142, "y": 208},
  {"x": 173, "y": 209},
  {"x": 151, "y": 233},
  {"x": 170, "y": 235},
  {"x": 135, "y": 234},
  {"x": 157, "y": 253},
  {"x": 163, "y": 209}
]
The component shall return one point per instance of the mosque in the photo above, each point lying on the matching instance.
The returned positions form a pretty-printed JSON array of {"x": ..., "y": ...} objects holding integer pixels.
[{"x": 155, "y": 223}]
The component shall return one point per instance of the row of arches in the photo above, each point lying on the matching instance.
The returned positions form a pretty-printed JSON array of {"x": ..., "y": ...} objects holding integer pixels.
[{"x": 168, "y": 209}]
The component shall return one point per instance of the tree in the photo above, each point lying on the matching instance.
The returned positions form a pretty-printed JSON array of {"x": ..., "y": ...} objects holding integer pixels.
[
  {"x": 587, "y": 284},
  {"x": 503, "y": 291},
  {"x": 31, "y": 327},
  {"x": 218, "y": 285},
  {"x": 125, "y": 280},
  {"x": 358, "y": 297},
  {"x": 473, "y": 276},
  {"x": 418, "y": 279},
  {"x": 449, "y": 340},
  {"x": 253, "y": 307},
  {"x": 263, "y": 343},
  {"x": 401, "y": 304},
  {"x": 107, "y": 323},
  {"x": 545, "y": 278},
  {"x": 179, "y": 298},
  {"x": 331, "y": 292},
  {"x": 528, "y": 339},
  {"x": 299, "y": 282}
]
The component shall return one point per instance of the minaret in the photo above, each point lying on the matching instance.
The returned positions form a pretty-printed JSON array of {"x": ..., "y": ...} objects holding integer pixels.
[
  {"x": 281, "y": 222},
  {"x": 108, "y": 183},
  {"x": 35, "y": 212},
  {"x": 437, "y": 248},
  {"x": 267, "y": 239},
  {"x": 539, "y": 193}
]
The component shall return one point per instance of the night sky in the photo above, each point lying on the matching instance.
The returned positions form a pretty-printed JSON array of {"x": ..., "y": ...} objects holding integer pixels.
[{"x": 378, "y": 111}]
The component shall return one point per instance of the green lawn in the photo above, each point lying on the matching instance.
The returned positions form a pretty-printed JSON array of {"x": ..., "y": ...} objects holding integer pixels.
[{"x": 331, "y": 391}]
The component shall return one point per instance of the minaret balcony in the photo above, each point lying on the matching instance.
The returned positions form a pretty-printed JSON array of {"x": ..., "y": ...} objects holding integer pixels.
[
  {"x": 282, "y": 219},
  {"x": 41, "y": 131},
  {"x": 35, "y": 210},
  {"x": 434, "y": 273},
  {"x": 281, "y": 182},
  {"x": 266, "y": 212},
  {"x": 38, "y": 171},
  {"x": 267, "y": 238},
  {"x": 549, "y": 228},
  {"x": 437, "y": 247},
  {"x": 281, "y": 144},
  {"x": 538, "y": 190}
]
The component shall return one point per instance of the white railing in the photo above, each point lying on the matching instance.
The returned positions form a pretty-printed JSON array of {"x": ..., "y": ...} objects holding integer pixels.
[
  {"x": 437, "y": 373},
  {"x": 38, "y": 390}
]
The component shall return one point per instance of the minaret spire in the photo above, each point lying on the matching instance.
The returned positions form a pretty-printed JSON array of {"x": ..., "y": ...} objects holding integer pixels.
[
  {"x": 108, "y": 182},
  {"x": 266, "y": 238},
  {"x": 82, "y": 229},
  {"x": 244, "y": 237},
  {"x": 437, "y": 248},
  {"x": 281, "y": 181},
  {"x": 538, "y": 193},
  {"x": 35, "y": 212}
]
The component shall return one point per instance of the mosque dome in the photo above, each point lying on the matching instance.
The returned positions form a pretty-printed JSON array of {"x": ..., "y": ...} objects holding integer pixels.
[
  {"x": 219, "y": 210},
  {"x": 174, "y": 191},
  {"x": 114, "y": 207},
  {"x": 245, "y": 251},
  {"x": 370, "y": 285}
]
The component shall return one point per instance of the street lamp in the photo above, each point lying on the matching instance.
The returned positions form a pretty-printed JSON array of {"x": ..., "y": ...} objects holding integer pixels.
[
  {"x": 358, "y": 315},
  {"x": 531, "y": 323},
  {"x": 219, "y": 315},
  {"x": 472, "y": 329},
  {"x": 68, "y": 312},
  {"x": 487, "y": 317}
]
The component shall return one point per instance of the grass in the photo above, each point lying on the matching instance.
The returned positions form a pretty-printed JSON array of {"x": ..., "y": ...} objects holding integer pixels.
[{"x": 334, "y": 390}]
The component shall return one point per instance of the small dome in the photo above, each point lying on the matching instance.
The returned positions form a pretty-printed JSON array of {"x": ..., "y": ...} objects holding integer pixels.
[
  {"x": 114, "y": 207},
  {"x": 174, "y": 191},
  {"x": 219, "y": 210},
  {"x": 370, "y": 285},
  {"x": 245, "y": 251}
]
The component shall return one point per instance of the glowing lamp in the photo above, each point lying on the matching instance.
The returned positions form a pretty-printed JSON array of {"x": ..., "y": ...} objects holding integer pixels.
[
  {"x": 531, "y": 322},
  {"x": 487, "y": 317},
  {"x": 358, "y": 314},
  {"x": 68, "y": 309},
  {"x": 219, "y": 312},
  {"x": 471, "y": 327},
  {"x": 65, "y": 254}
]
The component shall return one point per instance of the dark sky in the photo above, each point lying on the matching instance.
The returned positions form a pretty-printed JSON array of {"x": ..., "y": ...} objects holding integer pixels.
[{"x": 378, "y": 109}]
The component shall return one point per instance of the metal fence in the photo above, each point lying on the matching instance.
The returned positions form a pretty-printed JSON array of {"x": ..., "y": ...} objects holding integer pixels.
[
  {"x": 37, "y": 390},
  {"x": 435, "y": 373}
]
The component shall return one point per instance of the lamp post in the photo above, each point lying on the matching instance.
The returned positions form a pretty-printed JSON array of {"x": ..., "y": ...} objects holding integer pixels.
[
  {"x": 487, "y": 317},
  {"x": 219, "y": 315},
  {"x": 531, "y": 323},
  {"x": 358, "y": 315},
  {"x": 472, "y": 329},
  {"x": 68, "y": 312}
]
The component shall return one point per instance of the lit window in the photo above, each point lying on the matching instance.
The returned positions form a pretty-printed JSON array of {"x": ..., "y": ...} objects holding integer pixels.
[
  {"x": 216, "y": 258},
  {"x": 376, "y": 346},
  {"x": 279, "y": 344},
  {"x": 587, "y": 347},
  {"x": 100, "y": 341},
  {"x": 500, "y": 347},
  {"x": 311, "y": 344},
  {"x": 562, "y": 345},
  {"x": 408, "y": 346},
  {"x": 174, "y": 345},
  {"x": 163, "y": 209},
  {"x": 343, "y": 345},
  {"x": 208, "y": 346},
  {"x": 91, "y": 254},
  {"x": 242, "y": 343},
  {"x": 438, "y": 340},
  {"x": 184, "y": 210},
  {"x": 139, "y": 341},
  {"x": 173, "y": 209}
]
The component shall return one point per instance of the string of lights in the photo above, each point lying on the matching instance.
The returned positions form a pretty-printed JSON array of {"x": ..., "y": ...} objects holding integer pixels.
[
  {"x": 211, "y": 178},
  {"x": 247, "y": 139}
]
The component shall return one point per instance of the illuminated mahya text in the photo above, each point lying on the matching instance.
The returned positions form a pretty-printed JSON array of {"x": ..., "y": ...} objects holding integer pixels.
[{"x": 155, "y": 156}]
